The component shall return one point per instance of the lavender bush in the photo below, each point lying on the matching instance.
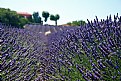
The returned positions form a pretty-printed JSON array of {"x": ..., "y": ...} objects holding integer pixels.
[
  {"x": 92, "y": 52},
  {"x": 88, "y": 53}
]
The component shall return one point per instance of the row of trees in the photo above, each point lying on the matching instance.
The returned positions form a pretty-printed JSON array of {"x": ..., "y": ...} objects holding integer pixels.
[
  {"x": 56, "y": 17},
  {"x": 45, "y": 15},
  {"x": 76, "y": 23},
  {"x": 11, "y": 17}
]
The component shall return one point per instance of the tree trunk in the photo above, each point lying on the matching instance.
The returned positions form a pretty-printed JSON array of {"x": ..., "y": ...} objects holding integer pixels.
[{"x": 56, "y": 23}]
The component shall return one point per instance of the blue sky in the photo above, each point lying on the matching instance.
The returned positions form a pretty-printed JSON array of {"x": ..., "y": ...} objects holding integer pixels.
[{"x": 69, "y": 10}]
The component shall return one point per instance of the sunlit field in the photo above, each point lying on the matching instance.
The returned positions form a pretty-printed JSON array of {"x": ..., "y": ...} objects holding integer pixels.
[{"x": 86, "y": 53}]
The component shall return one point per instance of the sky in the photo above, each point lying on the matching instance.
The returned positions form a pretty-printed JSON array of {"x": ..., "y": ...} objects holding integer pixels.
[{"x": 69, "y": 10}]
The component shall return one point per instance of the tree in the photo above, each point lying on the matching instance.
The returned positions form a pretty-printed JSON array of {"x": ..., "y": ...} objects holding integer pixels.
[
  {"x": 10, "y": 17},
  {"x": 54, "y": 18},
  {"x": 45, "y": 14},
  {"x": 57, "y": 17},
  {"x": 82, "y": 22},
  {"x": 30, "y": 19},
  {"x": 37, "y": 18},
  {"x": 69, "y": 23},
  {"x": 23, "y": 21},
  {"x": 76, "y": 23}
]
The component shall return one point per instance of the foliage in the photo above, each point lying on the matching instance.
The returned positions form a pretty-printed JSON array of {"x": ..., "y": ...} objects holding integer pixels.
[
  {"x": 23, "y": 21},
  {"x": 54, "y": 18},
  {"x": 45, "y": 14},
  {"x": 77, "y": 23},
  {"x": 11, "y": 17},
  {"x": 30, "y": 19},
  {"x": 69, "y": 23},
  {"x": 37, "y": 18}
]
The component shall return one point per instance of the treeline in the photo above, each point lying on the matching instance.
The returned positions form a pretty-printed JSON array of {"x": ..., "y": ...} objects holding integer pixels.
[
  {"x": 76, "y": 23},
  {"x": 45, "y": 15},
  {"x": 11, "y": 17},
  {"x": 8, "y": 16}
]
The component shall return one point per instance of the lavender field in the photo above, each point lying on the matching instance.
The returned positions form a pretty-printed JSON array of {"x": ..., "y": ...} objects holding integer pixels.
[{"x": 86, "y": 53}]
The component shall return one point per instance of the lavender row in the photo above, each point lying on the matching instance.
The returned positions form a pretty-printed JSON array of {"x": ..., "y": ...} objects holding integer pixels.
[
  {"x": 20, "y": 55},
  {"x": 45, "y": 28},
  {"x": 92, "y": 52}
]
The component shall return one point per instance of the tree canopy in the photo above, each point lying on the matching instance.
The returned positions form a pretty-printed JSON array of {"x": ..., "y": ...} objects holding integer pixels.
[
  {"x": 11, "y": 17},
  {"x": 37, "y": 18},
  {"x": 76, "y": 23},
  {"x": 45, "y": 14},
  {"x": 8, "y": 16},
  {"x": 54, "y": 18}
]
